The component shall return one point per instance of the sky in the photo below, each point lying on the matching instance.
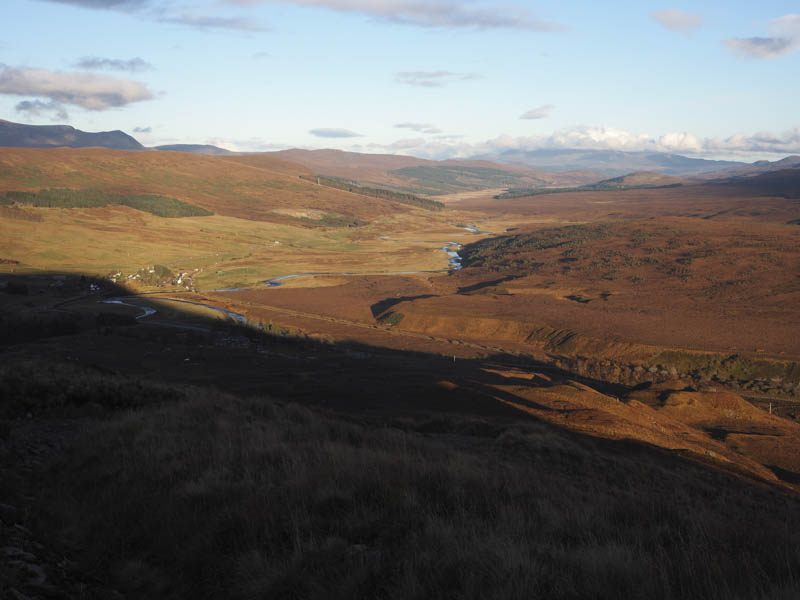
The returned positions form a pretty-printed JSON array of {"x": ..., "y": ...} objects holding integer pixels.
[{"x": 436, "y": 78}]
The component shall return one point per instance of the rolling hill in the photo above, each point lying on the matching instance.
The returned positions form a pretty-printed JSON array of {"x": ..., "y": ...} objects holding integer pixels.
[
  {"x": 421, "y": 176},
  {"x": 757, "y": 168},
  {"x": 642, "y": 179},
  {"x": 206, "y": 149},
  {"x": 254, "y": 187},
  {"x": 232, "y": 221}
]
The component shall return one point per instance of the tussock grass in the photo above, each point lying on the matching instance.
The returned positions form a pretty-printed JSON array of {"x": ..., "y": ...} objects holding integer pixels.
[
  {"x": 46, "y": 389},
  {"x": 33, "y": 326},
  {"x": 192, "y": 493}
]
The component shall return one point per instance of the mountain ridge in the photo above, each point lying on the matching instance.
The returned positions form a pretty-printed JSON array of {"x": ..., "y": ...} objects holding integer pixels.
[
  {"x": 569, "y": 166},
  {"x": 610, "y": 162},
  {"x": 20, "y": 135}
]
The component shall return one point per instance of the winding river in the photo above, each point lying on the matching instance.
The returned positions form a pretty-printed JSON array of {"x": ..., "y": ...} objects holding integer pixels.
[
  {"x": 146, "y": 310},
  {"x": 451, "y": 248}
]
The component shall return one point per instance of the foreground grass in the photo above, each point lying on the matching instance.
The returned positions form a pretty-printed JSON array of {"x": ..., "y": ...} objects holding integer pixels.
[{"x": 176, "y": 492}]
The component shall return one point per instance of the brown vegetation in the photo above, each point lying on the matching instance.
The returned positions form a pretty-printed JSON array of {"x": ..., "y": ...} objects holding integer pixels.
[
  {"x": 425, "y": 482},
  {"x": 585, "y": 409},
  {"x": 242, "y": 187}
]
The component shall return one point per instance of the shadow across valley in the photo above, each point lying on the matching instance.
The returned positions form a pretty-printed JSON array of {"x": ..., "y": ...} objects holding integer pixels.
[
  {"x": 485, "y": 284},
  {"x": 172, "y": 450},
  {"x": 381, "y": 307}
]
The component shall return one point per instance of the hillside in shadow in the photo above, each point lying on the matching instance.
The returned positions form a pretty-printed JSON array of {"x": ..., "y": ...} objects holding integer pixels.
[{"x": 177, "y": 455}]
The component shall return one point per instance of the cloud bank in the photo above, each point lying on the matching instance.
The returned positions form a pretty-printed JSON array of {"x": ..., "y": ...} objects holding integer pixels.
[{"x": 605, "y": 138}]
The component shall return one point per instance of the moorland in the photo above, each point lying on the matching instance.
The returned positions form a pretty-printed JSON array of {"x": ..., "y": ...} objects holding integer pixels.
[{"x": 300, "y": 375}]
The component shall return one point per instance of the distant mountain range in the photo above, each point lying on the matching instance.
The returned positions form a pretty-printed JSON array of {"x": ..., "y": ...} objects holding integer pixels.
[
  {"x": 611, "y": 162},
  {"x": 551, "y": 167},
  {"x": 60, "y": 136},
  {"x": 757, "y": 168}
]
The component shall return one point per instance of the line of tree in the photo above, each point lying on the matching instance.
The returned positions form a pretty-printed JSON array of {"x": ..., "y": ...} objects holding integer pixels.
[
  {"x": 352, "y": 186},
  {"x": 160, "y": 206},
  {"x": 595, "y": 187}
]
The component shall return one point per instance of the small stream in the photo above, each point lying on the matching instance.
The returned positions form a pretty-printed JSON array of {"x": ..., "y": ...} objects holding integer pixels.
[
  {"x": 455, "y": 259},
  {"x": 474, "y": 229},
  {"x": 451, "y": 248},
  {"x": 228, "y": 313},
  {"x": 146, "y": 310}
]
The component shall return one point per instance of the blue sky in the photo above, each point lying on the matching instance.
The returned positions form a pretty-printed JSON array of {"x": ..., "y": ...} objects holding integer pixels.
[{"x": 437, "y": 79}]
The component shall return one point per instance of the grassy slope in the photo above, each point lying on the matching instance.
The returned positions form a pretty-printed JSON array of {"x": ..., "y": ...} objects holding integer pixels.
[
  {"x": 194, "y": 494},
  {"x": 258, "y": 229},
  {"x": 224, "y": 185},
  {"x": 419, "y": 176}
]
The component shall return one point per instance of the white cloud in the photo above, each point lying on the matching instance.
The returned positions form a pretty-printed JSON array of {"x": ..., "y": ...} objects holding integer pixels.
[
  {"x": 87, "y": 90},
  {"x": 431, "y": 13},
  {"x": 105, "y": 4},
  {"x": 407, "y": 144},
  {"x": 97, "y": 63},
  {"x": 173, "y": 13},
  {"x": 677, "y": 20},
  {"x": 200, "y": 21},
  {"x": 677, "y": 142},
  {"x": 541, "y": 112},
  {"x": 762, "y": 47},
  {"x": 786, "y": 143},
  {"x": 784, "y": 40},
  {"x": 680, "y": 142},
  {"x": 433, "y": 78},
  {"x": 788, "y": 25},
  {"x": 325, "y": 132},
  {"x": 603, "y": 138},
  {"x": 419, "y": 127}
]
